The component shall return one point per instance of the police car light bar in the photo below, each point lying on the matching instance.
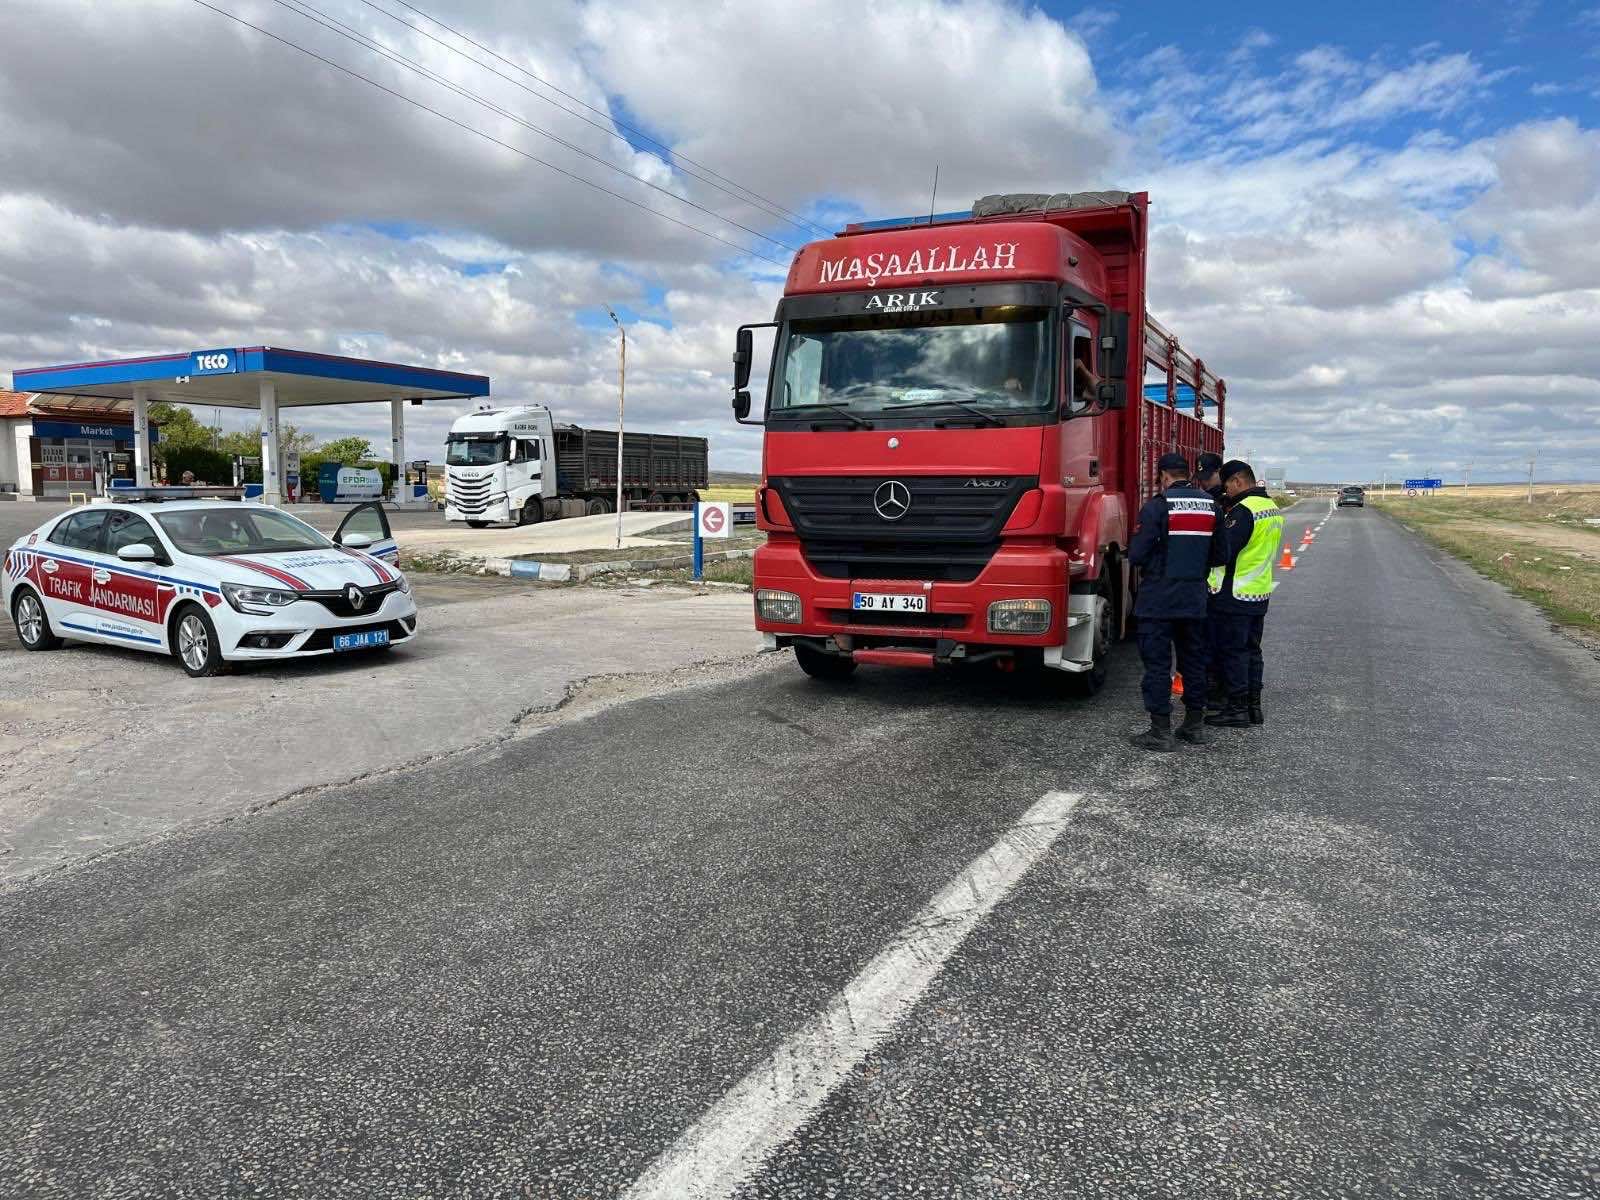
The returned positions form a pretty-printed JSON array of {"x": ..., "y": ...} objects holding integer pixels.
[{"x": 130, "y": 494}]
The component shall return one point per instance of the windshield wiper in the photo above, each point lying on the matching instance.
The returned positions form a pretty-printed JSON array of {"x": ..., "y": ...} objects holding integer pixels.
[
  {"x": 854, "y": 420},
  {"x": 988, "y": 418}
]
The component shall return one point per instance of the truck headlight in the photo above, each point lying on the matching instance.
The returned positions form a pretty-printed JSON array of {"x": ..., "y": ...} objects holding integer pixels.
[
  {"x": 257, "y": 599},
  {"x": 783, "y": 607},
  {"x": 1019, "y": 616}
]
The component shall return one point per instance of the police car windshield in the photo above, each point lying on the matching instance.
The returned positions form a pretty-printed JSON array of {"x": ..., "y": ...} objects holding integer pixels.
[
  {"x": 238, "y": 529},
  {"x": 996, "y": 359},
  {"x": 475, "y": 450}
]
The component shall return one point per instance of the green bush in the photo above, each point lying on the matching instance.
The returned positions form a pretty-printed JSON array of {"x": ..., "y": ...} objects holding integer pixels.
[{"x": 209, "y": 465}]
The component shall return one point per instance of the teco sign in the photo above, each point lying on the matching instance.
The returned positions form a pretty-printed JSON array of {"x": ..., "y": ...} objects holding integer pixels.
[{"x": 714, "y": 520}]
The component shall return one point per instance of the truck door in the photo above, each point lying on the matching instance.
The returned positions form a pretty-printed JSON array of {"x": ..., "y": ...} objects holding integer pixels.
[
  {"x": 369, "y": 521},
  {"x": 1080, "y": 462}
]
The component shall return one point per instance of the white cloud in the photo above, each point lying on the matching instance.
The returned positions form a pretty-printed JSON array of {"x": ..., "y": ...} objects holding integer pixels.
[{"x": 1367, "y": 295}]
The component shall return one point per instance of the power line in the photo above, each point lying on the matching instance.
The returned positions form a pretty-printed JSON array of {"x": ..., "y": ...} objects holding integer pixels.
[
  {"x": 488, "y": 137},
  {"x": 612, "y": 124},
  {"x": 334, "y": 25}
]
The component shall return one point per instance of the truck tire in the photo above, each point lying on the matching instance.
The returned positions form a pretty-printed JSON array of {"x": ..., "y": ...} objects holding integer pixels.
[
  {"x": 531, "y": 512},
  {"x": 819, "y": 665},
  {"x": 656, "y": 498},
  {"x": 597, "y": 508},
  {"x": 1087, "y": 683}
]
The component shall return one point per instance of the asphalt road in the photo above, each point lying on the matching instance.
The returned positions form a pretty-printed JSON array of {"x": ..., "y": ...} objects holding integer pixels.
[{"x": 1351, "y": 954}]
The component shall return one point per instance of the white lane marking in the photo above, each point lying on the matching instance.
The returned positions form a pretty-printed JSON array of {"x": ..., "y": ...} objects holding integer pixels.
[{"x": 715, "y": 1155}]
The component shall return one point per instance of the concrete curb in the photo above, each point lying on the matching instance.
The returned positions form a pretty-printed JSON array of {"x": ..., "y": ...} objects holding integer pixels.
[{"x": 560, "y": 572}]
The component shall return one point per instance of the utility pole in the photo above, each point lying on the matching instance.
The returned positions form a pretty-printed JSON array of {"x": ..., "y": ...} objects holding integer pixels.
[
  {"x": 1531, "y": 461},
  {"x": 622, "y": 387},
  {"x": 1466, "y": 480}
]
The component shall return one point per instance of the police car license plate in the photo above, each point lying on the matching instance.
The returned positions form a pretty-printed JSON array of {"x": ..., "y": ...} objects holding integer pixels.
[
  {"x": 888, "y": 602},
  {"x": 360, "y": 641}
]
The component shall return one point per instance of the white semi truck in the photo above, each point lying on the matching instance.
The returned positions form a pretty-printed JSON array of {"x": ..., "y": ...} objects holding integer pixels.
[{"x": 517, "y": 465}]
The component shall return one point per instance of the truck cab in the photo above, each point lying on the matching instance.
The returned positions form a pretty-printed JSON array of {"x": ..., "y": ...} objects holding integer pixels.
[
  {"x": 500, "y": 466},
  {"x": 957, "y": 438}
]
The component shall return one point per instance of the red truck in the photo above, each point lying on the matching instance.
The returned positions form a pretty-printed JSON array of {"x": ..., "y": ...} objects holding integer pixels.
[{"x": 959, "y": 436}]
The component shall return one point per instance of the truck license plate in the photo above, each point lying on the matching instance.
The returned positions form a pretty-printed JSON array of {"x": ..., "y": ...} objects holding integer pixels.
[
  {"x": 888, "y": 602},
  {"x": 360, "y": 641}
]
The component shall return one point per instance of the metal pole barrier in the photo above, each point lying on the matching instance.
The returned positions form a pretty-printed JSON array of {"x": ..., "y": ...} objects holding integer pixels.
[{"x": 699, "y": 547}]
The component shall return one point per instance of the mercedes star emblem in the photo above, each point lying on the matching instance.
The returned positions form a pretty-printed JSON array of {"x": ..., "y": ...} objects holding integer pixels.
[
  {"x": 892, "y": 500},
  {"x": 355, "y": 596}
]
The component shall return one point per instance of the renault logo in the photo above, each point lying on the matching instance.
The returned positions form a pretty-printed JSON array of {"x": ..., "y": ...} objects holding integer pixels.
[
  {"x": 892, "y": 500},
  {"x": 356, "y": 598}
]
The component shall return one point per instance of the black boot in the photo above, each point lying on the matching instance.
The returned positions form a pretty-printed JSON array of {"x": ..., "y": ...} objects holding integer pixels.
[
  {"x": 1193, "y": 729},
  {"x": 1234, "y": 716},
  {"x": 1257, "y": 717},
  {"x": 1158, "y": 736}
]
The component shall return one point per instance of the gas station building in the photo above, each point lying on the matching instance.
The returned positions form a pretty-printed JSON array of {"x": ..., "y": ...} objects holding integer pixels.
[{"x": 113, "y": 399}]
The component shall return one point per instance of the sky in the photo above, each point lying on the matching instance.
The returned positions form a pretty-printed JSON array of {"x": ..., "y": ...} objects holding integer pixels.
[{"x": 1381, "y": 223}]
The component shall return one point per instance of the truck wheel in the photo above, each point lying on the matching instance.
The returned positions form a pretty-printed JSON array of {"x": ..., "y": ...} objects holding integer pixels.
[
  {"x": 531, "y": 512},
  {"x": 822, "y": 666},
  {"x": 656, "y": 498},
  {"x": 33, "y": 624},
  {"x": 693, "y": 497},
  {"x": 597, "y": 508},
  {"x": 1091, "y": 681}
]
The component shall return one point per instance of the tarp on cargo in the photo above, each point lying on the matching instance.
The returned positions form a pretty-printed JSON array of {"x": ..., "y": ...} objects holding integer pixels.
[{"x": 1023, "y": 202}]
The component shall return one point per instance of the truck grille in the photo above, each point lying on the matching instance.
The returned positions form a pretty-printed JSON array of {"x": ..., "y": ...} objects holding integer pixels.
[
  {"x": 950, "y": 530},
  {"x": 471, "y": 496}
]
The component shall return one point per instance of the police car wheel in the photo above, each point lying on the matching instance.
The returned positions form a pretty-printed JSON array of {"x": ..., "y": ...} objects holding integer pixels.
[
  {"x": 33, "y": 624},
  {"x": 195, "y": 643}
]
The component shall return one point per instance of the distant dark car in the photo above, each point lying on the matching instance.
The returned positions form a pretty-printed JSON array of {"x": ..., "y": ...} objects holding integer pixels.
[{"x": 1354, "y": 496}]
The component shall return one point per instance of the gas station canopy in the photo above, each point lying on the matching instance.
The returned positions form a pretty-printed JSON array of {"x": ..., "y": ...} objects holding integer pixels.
[{"x": 260, "y": 377}]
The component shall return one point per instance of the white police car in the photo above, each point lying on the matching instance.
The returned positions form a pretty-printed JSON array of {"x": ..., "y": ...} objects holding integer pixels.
[{"x": 208, "y": 582}]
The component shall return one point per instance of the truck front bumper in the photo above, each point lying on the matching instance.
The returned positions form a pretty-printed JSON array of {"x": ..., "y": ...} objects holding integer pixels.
[
  {"x": 499, "y": 510},
  {"x": 955, "y": 626}
]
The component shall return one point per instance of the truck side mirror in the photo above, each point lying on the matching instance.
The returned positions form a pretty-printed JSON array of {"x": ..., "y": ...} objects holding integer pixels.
[
  {"x": 743, "y": 355},
  {"x": 741, "y": 405},
  {"x": 1110, "y": 394}
]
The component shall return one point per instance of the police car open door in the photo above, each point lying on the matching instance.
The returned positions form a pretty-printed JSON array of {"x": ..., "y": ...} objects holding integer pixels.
[{"x": 365, "y": 528}]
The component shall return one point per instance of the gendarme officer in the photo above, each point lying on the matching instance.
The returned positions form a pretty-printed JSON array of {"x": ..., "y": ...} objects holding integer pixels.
[
  {"x": 1179, "y": 538},
  {"x": 1241, "y": 587}
]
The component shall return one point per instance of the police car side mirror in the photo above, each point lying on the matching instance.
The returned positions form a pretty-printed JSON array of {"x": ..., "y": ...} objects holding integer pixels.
[
  {"x": 355, "y": 541},
  {"x": 140, "y": 552}
]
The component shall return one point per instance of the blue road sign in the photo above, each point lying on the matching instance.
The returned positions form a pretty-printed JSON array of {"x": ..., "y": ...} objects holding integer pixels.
[{"x": 1424, "y": 483}]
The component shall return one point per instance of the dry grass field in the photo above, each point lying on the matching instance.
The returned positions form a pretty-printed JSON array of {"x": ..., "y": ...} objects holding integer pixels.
[{"x": 1547, "y": 551}]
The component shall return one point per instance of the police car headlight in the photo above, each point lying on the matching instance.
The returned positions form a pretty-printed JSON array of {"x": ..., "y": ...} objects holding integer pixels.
[
  {"x": 255, "y": 599},
  {"x": 1019, "y": 616},
  {"x": 402, "y": 583}
]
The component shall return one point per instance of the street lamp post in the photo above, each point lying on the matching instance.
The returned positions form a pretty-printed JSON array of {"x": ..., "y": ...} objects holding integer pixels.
[{"x": 622, "y": 387}]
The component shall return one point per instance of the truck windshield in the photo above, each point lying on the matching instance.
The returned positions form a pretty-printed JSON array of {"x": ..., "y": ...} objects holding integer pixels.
[
  {"x": 995, "y": 359},
  {"x": 474, "y": 450}
]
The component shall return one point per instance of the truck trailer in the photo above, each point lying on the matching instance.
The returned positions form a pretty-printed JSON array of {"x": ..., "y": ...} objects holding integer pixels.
[
  {"x": 958, "y": 437},
  {"x": 517, "y": 465}
]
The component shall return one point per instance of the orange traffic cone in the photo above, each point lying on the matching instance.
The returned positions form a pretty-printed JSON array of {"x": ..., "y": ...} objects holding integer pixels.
[
  {"x": 1308, "y": 539},
  {"x": 1177, "y": 685},
  {"x": 1286, "y": 563}
]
